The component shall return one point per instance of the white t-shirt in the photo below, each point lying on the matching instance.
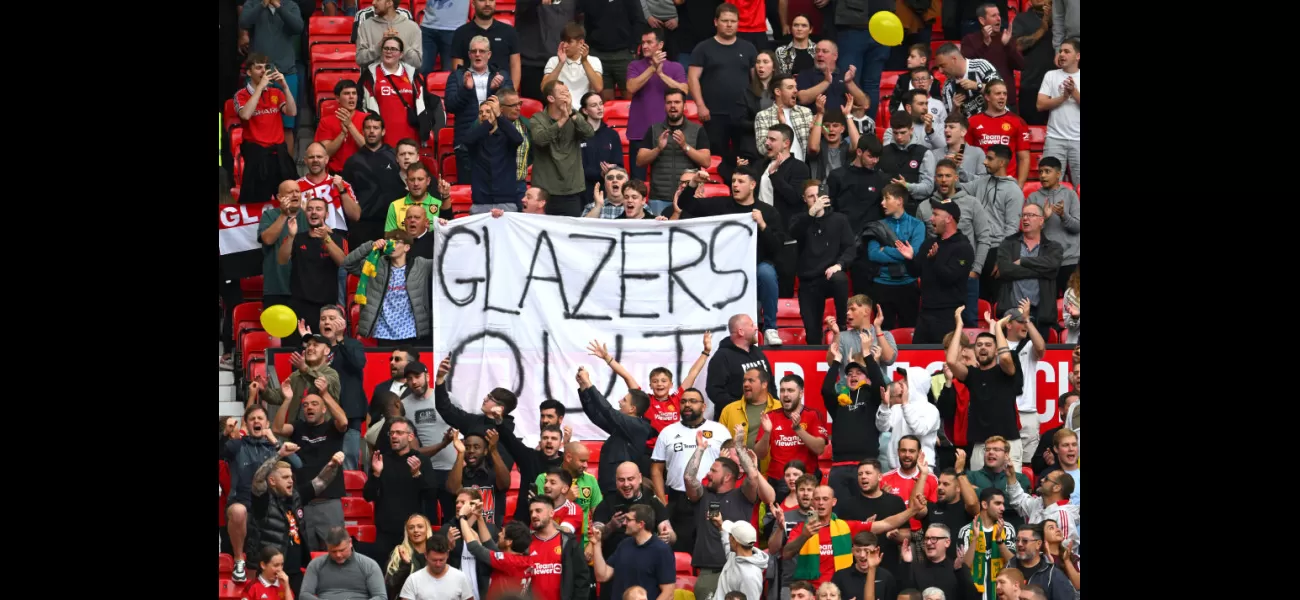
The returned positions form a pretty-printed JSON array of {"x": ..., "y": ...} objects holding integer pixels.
[
  {"x": 939, "y": 112},
  {"x": 1028, "y": 399},
  {"x": 796, "y": 149},
  {"x": 676, "y": 444},
  {"x": 430, "y": 427},
  {"x": 1063, "y": 122},
  {"x": 574, "y": 76},
  {"x": 765, "y": 193},
  {"x": 423, "y": 586}
]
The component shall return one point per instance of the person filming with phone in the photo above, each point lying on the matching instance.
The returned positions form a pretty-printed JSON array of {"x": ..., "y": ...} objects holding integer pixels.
[{"x": 826, "y": 246}]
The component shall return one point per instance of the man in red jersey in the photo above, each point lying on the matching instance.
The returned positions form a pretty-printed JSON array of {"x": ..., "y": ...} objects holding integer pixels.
[
  {"x": 912, "y": 467},
  {"x": 798, "y": 434},
  {"x": 997, "y": 125},
  {"x": 560, "y": 569},
  {"x": 336, "y": 193},
  {"x": 261, "y": 104},
  {"x": 558, "y": 486},
  {"x": 340, "y": 131}
]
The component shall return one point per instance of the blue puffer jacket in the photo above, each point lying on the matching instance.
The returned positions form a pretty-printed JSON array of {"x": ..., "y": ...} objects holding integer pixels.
[
  {"x": 893, "y": 267},
  {"x": 249, "y": 454}
]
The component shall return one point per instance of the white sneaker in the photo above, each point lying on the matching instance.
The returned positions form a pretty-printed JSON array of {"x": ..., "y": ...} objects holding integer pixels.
[
  {"x": 238, "y": 575},
  {"x": 773, "y": 338}
]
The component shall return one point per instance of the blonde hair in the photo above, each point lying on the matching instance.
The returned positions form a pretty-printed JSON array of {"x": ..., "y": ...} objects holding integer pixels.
[
  {"x": 395, "y": 560},
  {"x": 998, "y": 439},
  {"x": 829, "y": 587}
]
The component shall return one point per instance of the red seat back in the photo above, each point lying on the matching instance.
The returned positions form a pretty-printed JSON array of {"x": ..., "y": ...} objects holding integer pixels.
[
  {"x": 902, "y": 335},
  {"x": 616, "y": 112},
  {"x": 529, "y": 107}
]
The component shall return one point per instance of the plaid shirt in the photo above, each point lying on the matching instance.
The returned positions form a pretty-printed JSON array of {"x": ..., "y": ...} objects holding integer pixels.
[
  {"x": 978, "y": 70},
  {"x": 521, "y": 154},
  {"x": 608, "y": 211},
  {"x": 800, "y": 120}
]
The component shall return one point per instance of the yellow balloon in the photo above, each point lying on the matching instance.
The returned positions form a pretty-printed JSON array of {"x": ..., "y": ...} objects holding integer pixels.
[
  {"x": 886, "y": 28},
  {"x": 279, "y": 321}
]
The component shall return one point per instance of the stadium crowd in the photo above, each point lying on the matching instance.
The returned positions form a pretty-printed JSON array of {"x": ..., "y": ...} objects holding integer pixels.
[{"x": 937, "y": 216}]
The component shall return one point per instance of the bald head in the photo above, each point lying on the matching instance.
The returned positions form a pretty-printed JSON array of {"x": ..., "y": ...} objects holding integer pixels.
[
  {"x": 286, "y": 187},
  {"x": 627, "y": 478},
  {"x": 416, "y": 222},
  {"x": 289, "y": 197},
  {"x": 575, "y": 458}
]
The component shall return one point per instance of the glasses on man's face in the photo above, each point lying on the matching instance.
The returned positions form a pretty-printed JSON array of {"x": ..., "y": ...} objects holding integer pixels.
[
  {"x": 935, "y": 539},
  {"x": 1030, "y": 216},
  {"x": 511, "y": 105},
  {"x": 478, "y": 51},
  {"x": 1025, "y": 541}
]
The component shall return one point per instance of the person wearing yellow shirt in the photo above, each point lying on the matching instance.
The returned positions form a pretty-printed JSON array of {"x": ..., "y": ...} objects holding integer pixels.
[
  {"x": 418, "y": 180},
  {"x": 745, "y": 415}
]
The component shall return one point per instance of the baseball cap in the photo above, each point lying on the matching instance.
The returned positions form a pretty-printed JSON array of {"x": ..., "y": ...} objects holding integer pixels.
[
  {"x": 314, "y": 337},
  {"x": 949, "y": 207},
  {"x": 853, "y": 365},
  {"x": 415, "y": 367},
  {"x": 741, "y": 531}
]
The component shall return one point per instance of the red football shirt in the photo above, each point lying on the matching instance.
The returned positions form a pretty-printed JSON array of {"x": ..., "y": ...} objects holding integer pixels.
[
  {"x": 901, "y": 486},
  {"x": 569, "y": 513},
  {"x": 786, "y": 445},
  {"x": 548, "y": 567},
  {"x": 396, "y": 124},
  {"x": 510, "y": 573},
  {"x": 329, "y": 128},
  {"x": 663, "y": 413},
  {"x": 1008, "y": 129},
  {"x": 262, "y": 591},
  {"x": 325, "y": 190},
  {"x": 266, "y": 128},
  {"x": 827, "y": 551},
  {"x": 753, "y": 16}
]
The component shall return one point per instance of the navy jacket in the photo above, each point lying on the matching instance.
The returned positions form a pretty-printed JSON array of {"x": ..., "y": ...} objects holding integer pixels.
[
  {"x": 463, "y": 102},
  {"x": 350, "y": 363},
  {"x": 604, "y": 146},
  {"x": 493, "y": 156}
]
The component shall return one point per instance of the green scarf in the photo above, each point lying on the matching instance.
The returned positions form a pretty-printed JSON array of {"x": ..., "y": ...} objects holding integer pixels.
[
  {"x": 988, "y": 558},
  {"x": 809, "y": 561},
  {"x": 369, "y": 269}
]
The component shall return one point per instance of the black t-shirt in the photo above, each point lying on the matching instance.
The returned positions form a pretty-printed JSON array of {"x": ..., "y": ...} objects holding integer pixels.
[
  {"x": 1039, "y": 57},
  {"x": 734, "y": 506},
  {"x": 835, "y": 92},
  {"x": 503, "y": 41},
  {"x": 316, "y": 444},
  {"x": 485, "y": 481},
  {"x": 647, "y": 214},
  {"x": 993, "y": 402},
  {"x": 614, "y": 502},
  {"x": 954, "y": 516},
  {"x": 701, "y": 138},
  {"x": 423, "y": 246},
  {"x": 852, "y": 583},
  {"x": 314, "y": 277},
  {"x": 726, "y": 72},
  {"x": 860, "y": 508}
]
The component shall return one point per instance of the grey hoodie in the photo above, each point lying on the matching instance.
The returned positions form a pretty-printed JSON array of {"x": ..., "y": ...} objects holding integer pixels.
[
  {"x": 659, "y": 9},
  {"x": 271, "y": 31},
  {"x": 1063, "y": 228},
  {"x": 974, "y": 224},
  {"x": 370, "y": 34},
  {"x": 1065, "y": 21},
  {"x": 972, "y": 163},
  {"x": 742, "y": 574},
  {"x": 1002, "y": 199}
]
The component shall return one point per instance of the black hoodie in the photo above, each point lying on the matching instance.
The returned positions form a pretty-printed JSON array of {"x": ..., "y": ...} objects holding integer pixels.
[
  {"x": 921, "y": 573},
  {"x": 823, "y": 241},
  {"x": 857, "y": 421},
  {"x": 943, "y": 277},
  {"x": 770, "y": 238},
  {"x": 855, "y": 193},
  {"x": 726, "y": 374}
]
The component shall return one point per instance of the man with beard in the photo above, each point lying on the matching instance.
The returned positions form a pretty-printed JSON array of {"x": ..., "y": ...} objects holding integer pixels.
[
  {"x": 418, "y": 180},
  {"x": 821, "y": 545},
  {"x": 789, "y": 434},
  {"x": 827, "y": 79},
  {"x": 641, "y": 559},
  {"x": 854, "y": 437},
  {"x": 906, "y": 411},
  {"x": 612, "y": 513},
  {"x": 558, "y": 487},
  {"x": 942, "y": 264},
  {"x": 376, "y": 179},
  {"x": 1053, "y": 502},
  {"x": 967, "y": 78},
  {"x": 998, "y": 125},
  {"x": 340, "y": 132},
  {"x": 648, "y": 77},
  {"x": 993, "y": 389},
  {"x": 672, "y": 147},
  {"x": 913, "y": 466},
  {"x": 673, "y": 451},
  {"x": 586, "y": 491},
  {"x": 744, "y": 416},
  {"x": 567, "y": 578},
  {"x": 785, "y": 111},
  {"x": 866, "y": 563},
  {"x": 998, "y": 544},
  {"x": 403, "y": 488},
  {"x": 317, "y": 440},
  {"x": 305, "y": 378},
  {"x": 927, "y": 126},
  {"x": 826, "y": 244},
  {"x": 533, "y": 462},
  {"x": 1037, "y": 567},
  {"x": 628, "y": 428},
  {"x": 938, "y": 568},
  {"x": 721, "y": 496},
  {"x": 318, "y": 183},
  {"x": 870, "y": 499},
  {"x": 494, "y": 413},
  {"x": 972, "y": 221},
  {"x": 416, "y": 224},
  {"x": 432, "y": 435},
  {"x": 248, "y": 454},
  {"x": 316, "y": 255},
  {"x": 736, "y": 356},
  {"x": 781, "y": 519},
  {"x": 503, "y": 40},
  {"x": 278, "y": 512},
  {"x": 349, "y": 361},
  {"x": 479, "y": 467},
  {"x": 956, "y": 500},
  {"x": 272, "y": 231},
  {"x": 993, "y": 471},
  {"x": 396, "y": 383}
]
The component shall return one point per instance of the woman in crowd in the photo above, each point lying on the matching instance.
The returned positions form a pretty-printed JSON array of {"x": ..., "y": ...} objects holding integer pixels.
[
  {"x": 798, "y": 54},
  {"x": 1070, "y": 306},
  {"x": 1062, "y": 558},
  {"x": 757, "y": 98},
  {"x": 395, "y": 90},
  {"x": 408, "y": 557}
]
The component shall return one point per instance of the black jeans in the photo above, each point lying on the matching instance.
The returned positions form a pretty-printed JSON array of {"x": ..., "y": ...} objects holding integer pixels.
[
  {"x": 989, "y": 285},
  {"x": 900, "y": 303},
  {"x": 231, "y": 295},
  {"x": 681, "y": 513},
  {"x": 844, "y": 481},
  {"x": 719, "y": 130},
  {"x": 932, "y": 325},
  {"x": 861, "y": 272},
  {"x": 530, "y": 85},
  {"x": 564, "y": 206},
  {"x": 758, "y": 38},
  {"x": 812, "y": 303}
]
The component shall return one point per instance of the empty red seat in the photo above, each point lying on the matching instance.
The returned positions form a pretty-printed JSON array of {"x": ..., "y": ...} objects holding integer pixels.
[
  {"x": 1029, "y": 472},
  {"x": 713, "y": 164},
  {"x": 902, "y": 335},
  {"x": 512, "y": 504},
  {"x": 1037, "y": 135},
  {"x": 354, "y": 480},
  {"x": 692, "y": 111},
  {"x": 356, "y": 511},
  {"x": 354, "y": 317},
  {"x": 340, "y": 53},
  {"x": 793, "y": 336},
  {"x": 246, "y": 311},
  {"x": 254, "y": 345},
  {"x": 226, "y": 564},
  {"x": 983, "y": 307},
  {"x": 228, "y": 589},
  {"x": 593, "y": 447},
  {"x": 449, "y": 169},
  {"x": 505, "y": 17},
  {"x": 446, "y": 140},
  {"x": 514, "y": 479},
  {"x": 252, "y": 288},
  {"x": 787, "y": 313},
  {"x": 323, "y": 29},
  {"x": 438, "y": 82},
  {"x": 830, "y": 308},
  {"x": 1052, "y": 337},
  {"x": 323, "y": 83},
  {"x": 362, "y": 533},
  {"x": 462, "y": 198},
  {"x": 683, "y": 563},
  {"x": 529, "y": 107},
  {"x": 616, "y": 112},
  {"x": 717, "y": 189}
]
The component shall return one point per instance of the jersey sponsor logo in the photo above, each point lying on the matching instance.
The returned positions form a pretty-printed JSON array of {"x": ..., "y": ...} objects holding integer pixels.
[
  {"x": 828, "y": 549},
  {"x": 989, "y": 140},
  {"x": 787, "y": 441},
  {"x": 274, "y": 110},
  {"x": 548, "y": 568}
]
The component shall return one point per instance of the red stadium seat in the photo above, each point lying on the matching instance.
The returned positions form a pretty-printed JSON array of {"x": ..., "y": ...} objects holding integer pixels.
[
  {"x": 792, "y": 336},
  {"x": 971, "y": 332},
  {"x": 354, "y": 316},
  {"x": 594, "y": 459},
  {"x": 246, "y": 311},
  {"x": 828, "y": 336},
  {"x": 462, "y": 197},
  {"x": 983, "y": 307},
  {"x": 718, "y": 189},
  {"x": 356, "y": 511},
  {"x": 322, "y": 29},
  {"x": 1031, "y": 187},
  {"x": 1029, "y": 472},
  {"x": 683, "y": 563},
  {"x": 335, "y": 54},
  {"x": 448, "y": 169},
  {"x": 829, "y": 310},
  {"x": 714, "y": 161},
  {"x": 686, "y": 582},
  {"x": 616, "y": 112},
  {"x": 254, "y": 345},
  {"x": 228, "y": 589},
  {"x": 1037, "y": 135},
  {"x": 1052, "y": 337},
  {"x": 692, "y": 111},
  {"x": 887, "y": 80},
  {"x": 514, "y": 479},
  {"x": 226, "y": 564},
  {"x": 354, "y": 480},
  {"x": 529, "y": 107},
  {"x": 505, "y": 17},
  {"x": 323, "y": 83},
  {"x": 1034, "y": 157},
  {"x": 230, "y": 115},
  {"x": 446, "y": 141},
  {"x": 505, "y": 6},
  {"x": 362, "y": 533},
  {"x": 902, "y": 335},
  {"x": 438, "y": 82},
  {"x": 512, "y": 504},
  {"x": 328, "y": 107},
  {"x": 787, "y": 312},
  {"x": 315, "y": 555}
]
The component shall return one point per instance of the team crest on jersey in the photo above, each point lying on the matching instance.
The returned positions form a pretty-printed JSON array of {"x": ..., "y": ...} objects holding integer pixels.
[
  {"x": 914, "y": 164},
  {"x": 275, "y": 98},
  {"x": 559, "y": 550},
  {"x": 708, "y": 435},
  {"x": 1006, "y": 127},
  {"x": 586, "y": 492},
  {"x": 804, "y": 426}
]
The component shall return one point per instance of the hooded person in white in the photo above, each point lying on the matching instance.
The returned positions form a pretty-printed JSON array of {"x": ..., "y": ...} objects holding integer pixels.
[
  {"x": 906, "y": 411},
  {"x": 743, "y": 571}
]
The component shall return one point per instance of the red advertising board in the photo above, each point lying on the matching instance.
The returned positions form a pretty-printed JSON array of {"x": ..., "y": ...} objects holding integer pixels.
[{"x": 808, "y": 362}]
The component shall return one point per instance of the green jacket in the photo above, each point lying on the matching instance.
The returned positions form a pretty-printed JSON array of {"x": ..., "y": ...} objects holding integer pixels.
[
  {"x": 557, "y": 153},
  {"x": 300, "y": 381}
]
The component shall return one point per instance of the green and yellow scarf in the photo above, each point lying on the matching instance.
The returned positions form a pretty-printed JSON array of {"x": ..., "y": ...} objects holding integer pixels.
[
  {"x": 988, "y": 559},
  {"x": 369, "y": 269},
  {"x": 808, "y": 563}
]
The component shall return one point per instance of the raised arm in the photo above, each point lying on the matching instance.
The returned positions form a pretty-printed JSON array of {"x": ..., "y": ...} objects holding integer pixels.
[
  {"x": 957, "y": 367},
  {"x": 1006, "y": 358},
  {"x": 327, "y": 474},
  {"x": 603, "y": 571},
  {"x": 902, "y": 519},
  {"x": 694, "y": 490},
  {"x": 700, "y": 361},
  {"x": 457, "y": 474},
  {"x": 498, "y": 464},
  {"x": 969, "y": 497},
  {"x": 756, "y": 488},
  {"x": 599, "y": 350}
]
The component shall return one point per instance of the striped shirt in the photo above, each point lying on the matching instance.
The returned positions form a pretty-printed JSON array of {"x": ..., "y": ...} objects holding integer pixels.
[{"x": 978, "y": 70}]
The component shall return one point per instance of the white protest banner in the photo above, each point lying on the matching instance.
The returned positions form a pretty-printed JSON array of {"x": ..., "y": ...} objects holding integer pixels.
[{"x": 518, "y": 298}]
